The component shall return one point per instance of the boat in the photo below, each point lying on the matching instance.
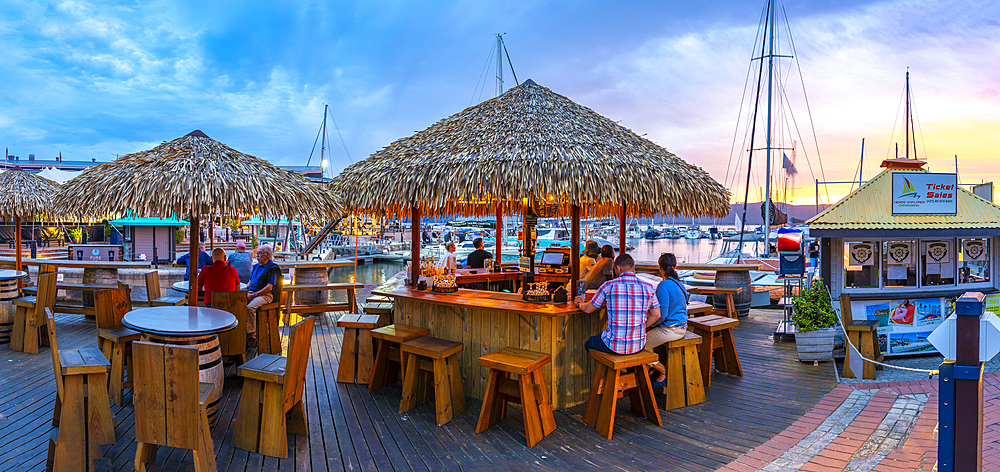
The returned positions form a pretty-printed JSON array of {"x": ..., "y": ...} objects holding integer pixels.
[
  {"x": 692, "y": 232},
  {"x": 652, "y": 233}
]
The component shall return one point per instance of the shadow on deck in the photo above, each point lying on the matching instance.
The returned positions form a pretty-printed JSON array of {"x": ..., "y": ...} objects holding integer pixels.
[{"x": 351, "y": 429}]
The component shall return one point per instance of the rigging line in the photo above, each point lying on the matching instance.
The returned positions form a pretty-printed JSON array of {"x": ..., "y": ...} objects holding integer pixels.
[
  {"x": 746, "y": 194},
  {"x": 482, "y": 75},
  {"x": 812, "y": 124},
  {"x": 507, "y": 53},
  {"x": 746, "y": 84},
  {"x": 320, "y": 130},
  {"x": 337, "y": 128}
]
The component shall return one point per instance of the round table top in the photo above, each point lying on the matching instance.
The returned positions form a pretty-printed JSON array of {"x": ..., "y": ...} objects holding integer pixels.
[
  {"x": 183, "y": 286},
  {"x": 10, "y": 274},
  {"x": 179, "y": 320}
]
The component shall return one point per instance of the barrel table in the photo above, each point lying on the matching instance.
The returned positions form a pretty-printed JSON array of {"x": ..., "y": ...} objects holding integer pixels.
[
  {"x": 188, "y": 326},
  {"x": 8, "y": 292},
  {"x": 310, "y": 276}
]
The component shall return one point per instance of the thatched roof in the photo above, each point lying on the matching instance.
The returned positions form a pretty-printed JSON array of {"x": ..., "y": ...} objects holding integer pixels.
[
  {"x": 528, "y": 143},
  {"x": 194, "y": 171},
  {"x": 25, "y": 195}
]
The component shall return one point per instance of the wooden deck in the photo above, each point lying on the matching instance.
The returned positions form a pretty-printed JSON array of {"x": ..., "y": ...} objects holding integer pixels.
[{"x": 353, "y": 430}]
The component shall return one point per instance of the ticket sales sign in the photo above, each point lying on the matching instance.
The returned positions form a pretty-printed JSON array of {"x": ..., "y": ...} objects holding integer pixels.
[{"x": 918, "y": 193}]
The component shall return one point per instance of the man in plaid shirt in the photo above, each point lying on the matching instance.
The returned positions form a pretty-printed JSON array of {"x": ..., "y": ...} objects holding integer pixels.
[{"x": 631, "y": 305}]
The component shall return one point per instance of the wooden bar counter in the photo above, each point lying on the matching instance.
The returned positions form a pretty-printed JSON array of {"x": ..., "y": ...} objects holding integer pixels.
[{"x": 488, "y": 321}]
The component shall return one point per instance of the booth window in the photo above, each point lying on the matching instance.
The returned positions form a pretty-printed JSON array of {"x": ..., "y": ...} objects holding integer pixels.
[
  {"x": 899, "y": 263},
  {"x": 861, "y": 266},
  {"x": 937, "y": 262},
  {"x": 974, "y": 261}
]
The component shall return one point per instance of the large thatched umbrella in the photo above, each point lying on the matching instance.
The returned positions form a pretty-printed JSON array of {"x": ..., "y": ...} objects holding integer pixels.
[
  {"x": 529, "y": 145},
  {"x": 24, "y": 195},
  {"x": 198, "y": 175}
]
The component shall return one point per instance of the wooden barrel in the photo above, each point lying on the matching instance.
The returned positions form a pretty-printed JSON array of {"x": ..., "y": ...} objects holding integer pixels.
[
  {"x": 733, "y": 279},
  {"x": 8, "y": 289},
  {"x": 6, "y": 320},
  {"x": 312, "y": 275},
  {"x": 209, "y": 364},
  {"x": 99, "y": 276}
]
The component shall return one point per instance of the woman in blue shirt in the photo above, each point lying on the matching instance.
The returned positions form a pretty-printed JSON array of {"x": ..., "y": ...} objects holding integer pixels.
[{"x": 673, "y": 297}]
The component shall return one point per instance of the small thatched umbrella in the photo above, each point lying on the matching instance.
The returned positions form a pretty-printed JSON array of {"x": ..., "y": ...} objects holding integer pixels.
[
  {"x": 529, "y": 145},
  {"x": 194, "y": 174},
  {"x": 24, "y": 195}
]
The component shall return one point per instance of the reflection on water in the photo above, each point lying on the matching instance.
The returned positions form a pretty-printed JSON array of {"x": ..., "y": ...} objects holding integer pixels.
[
  {"x": 372, "y": 275},
  {"x": 687, "y": 250}
]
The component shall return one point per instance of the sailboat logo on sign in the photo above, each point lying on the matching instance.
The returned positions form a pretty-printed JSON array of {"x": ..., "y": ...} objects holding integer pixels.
[{"x": 908, "y": 189}]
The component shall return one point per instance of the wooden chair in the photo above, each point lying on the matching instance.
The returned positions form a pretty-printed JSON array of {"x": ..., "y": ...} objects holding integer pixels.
[
  {"x": 29, "y": 316},
  {"x": 528, "y": 391},
  {"x": 716, "y": 342},
  {"x": 268, "y": 337},
  {"x": 82, "y": 411},
  {"x": 684, "y": 383},
  {"x": 616, "y": 375},
  {"x": 388, "y": 360},
  {"x": 271, "y": 402},
  {"x": 357, "y": 357},
  {"x": 433, "y": 363},
  {"x": 234, "y": 341},
  {"x": 170, "y": 404},
  {"x": 863, "y": 335},
  {"x": 153, "y": 295},
  {"x": 114, "y": 339}
]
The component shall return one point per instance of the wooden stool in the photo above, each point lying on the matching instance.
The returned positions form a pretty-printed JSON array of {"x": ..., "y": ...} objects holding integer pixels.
[
  {"x": 717, "y": 341},
  {"x": 529, "y": 391},
  {"x": 610, "y": 383},
  {"x": 684, "y": 383},
  {"x": 29, "y": 318},
  {"x": 378, "y": 299},
  {"x": 388, "y": 360},
  {"x": 379, "y": 309},
  {"x": 427, "y": 356},
  {"x": 357, "y": 354},
  {"x": 862, "y": 334}
]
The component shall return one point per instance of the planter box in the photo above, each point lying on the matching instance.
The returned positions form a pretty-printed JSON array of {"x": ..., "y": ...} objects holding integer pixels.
[{"x": 815, "y": 345}]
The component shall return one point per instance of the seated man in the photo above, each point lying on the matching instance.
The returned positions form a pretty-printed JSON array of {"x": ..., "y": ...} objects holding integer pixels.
[
  {"x": 242, "y": 261},
  {"x": 203, "y": 259},
  {"x": 632, "y": 307},
  {"x": 263, "y": 278},
  {"x": 480, "y": 258},
  {"x": 218, "y": 277}
]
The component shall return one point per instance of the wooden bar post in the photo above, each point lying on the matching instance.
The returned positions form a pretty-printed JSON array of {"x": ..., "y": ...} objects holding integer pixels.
[
  {"x": 968, "y": 383},
  {"x": 193, "y": 257},
  {"x": 414, "y": 244},
  {"x": 17, "y": 246},
  {"x": 621, "y": 231},
  {"x": 574, "y": 254},
  {"x": 499, "y": 232}
]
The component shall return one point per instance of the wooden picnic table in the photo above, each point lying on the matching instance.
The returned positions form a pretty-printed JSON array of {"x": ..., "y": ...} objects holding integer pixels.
[{"x": 728, "y": 292}]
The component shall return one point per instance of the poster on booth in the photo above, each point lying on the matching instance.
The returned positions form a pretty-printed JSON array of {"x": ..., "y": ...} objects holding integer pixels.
[{"x": 905, "y": 323}]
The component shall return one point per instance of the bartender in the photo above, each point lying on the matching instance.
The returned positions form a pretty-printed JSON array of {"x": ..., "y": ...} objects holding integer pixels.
[
  {"x": 450, "y": 261},
  {"x": 478, "y": 258}
]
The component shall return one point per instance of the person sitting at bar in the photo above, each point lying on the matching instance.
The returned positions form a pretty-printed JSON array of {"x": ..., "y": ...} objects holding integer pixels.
[
  {"x": 218, "y": 276},
  {"x": 602, "y": 271},
  {"x": 632, "y": 307},
  {"x": 672, "y": 324},
  {"x": 591, "y": 253},
  {"x": 263, "y": 278},
  {"x": 480, "y": 258},
  {"x": 450, "y": 261},
  {"x": 203, "y": 259},
  {"x": 242, "y": 261}
]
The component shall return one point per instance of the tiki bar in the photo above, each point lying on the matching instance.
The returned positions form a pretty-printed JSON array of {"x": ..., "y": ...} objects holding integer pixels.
[{"x": 533, "y": 153}]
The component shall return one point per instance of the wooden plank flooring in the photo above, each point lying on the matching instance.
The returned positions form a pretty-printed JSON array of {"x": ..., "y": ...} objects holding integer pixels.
[{"x": 351, "y": 429}]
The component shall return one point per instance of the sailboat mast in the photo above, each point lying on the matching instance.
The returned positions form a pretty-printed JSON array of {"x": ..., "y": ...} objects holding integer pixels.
[
  {"x": 499, "y": 64},
  {"x": 907, "y": 123},
  {"x": 767, "y": 167},
  {"x": 322, "y": 149}
]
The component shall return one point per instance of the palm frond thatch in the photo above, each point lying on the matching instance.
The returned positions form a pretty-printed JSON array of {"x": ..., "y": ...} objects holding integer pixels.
[
  {"x": 528, "y": 143},
  {"x": 25, "y": 195},
  {"x": 197, "y": 173}
]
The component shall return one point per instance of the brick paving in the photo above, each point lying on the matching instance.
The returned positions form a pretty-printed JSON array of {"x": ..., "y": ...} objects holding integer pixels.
[{"x": 872, "y": 426}]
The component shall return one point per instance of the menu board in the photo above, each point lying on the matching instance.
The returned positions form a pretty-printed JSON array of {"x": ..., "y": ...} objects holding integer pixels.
[{"x": 905, "y": 323}]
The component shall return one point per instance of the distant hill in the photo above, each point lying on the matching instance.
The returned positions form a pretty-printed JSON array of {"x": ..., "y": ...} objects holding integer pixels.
[{"x": 797, "y": 213}]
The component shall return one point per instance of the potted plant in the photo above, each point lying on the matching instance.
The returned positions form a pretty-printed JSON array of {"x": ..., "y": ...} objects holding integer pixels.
[
  {"x": 75, "y": 235},
  {"x": 815, "y": 321}
]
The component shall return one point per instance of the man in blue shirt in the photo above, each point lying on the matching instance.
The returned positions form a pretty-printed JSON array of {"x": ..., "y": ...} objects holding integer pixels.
[
  {"x": 203, "y": 259},
  {"x": 263, "y": 278}
]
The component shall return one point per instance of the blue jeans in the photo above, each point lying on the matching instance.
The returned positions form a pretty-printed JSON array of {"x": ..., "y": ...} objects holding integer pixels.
[{"x": 595, "y": 342}]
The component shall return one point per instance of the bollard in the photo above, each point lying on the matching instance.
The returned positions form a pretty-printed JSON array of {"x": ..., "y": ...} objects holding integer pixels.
[
  {"x": 960, "y": 393},
  {"x": 34, "y": 249}
]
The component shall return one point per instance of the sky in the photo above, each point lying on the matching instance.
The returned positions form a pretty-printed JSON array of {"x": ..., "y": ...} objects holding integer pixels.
[{"x": 95, "y": 79}]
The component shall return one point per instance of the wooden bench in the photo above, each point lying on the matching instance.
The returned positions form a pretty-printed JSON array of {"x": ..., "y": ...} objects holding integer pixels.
[
  {"x": 528, "y": 391},
  {"x": 73, "y": 309},
  {"x": 432, "y": 364},
  {"x": 388, "y": 359},
  {"x": 728, "y": 292},
  {"x": 684, "y": 383},
  {"x": 610, "y": 384},
  {"x": 358, "y": 353},
  {"x": 351, "y": 306},
  {"x": 717, "y": 342}
]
